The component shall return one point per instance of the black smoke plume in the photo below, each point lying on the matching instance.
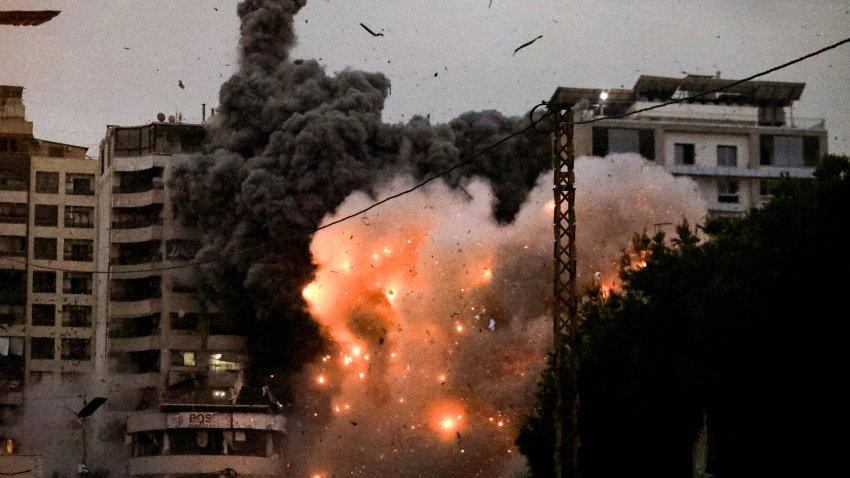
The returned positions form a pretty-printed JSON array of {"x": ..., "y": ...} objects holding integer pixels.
[{"x": 289, "y": 142}]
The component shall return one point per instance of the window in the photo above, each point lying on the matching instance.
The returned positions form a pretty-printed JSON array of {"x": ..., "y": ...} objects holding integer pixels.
[
  {"x": 623, "y": 140},
  {"x": 13, "y": 213},
  {"x": 768, "y": 187},
  {"x": 79, "y": 216},
  {"x": 727, "y": 156},
  {"x": 13, "y": 181},
  {"x": 727, "y": 191},
  {"x": 182, "y": 359},
  {"x": 41, "y": 348},
  {"x": 683, "y": 153},
  {"x": 47, "y": 183},
  {"x": 787, "y": 151},
  {"x": 619, "y": 140},
  {"x": 15, "y": 246},
  {"x": 11, "y": 314},
  {"x": 76, "y": 315},
  {"x": 77, "y": 282},
  {"x": 79, "y": 184},
  {"x": 46, "y": 215},
  {"x": 76, "y": 349},
  {"x": 78, "y": 250},
  {"x": 55, "y": 151},
  {"x": 44, "y": 314},
  {"x": 45, "y": 248},
  {"x": 44, "y": 281}
]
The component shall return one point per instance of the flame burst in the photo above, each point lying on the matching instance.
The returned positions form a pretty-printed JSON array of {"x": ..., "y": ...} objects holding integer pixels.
[{"x": 441, "y": 323}]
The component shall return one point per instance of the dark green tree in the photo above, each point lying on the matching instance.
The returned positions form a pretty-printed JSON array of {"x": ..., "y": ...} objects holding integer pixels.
[{"x": 744, "y": 329}]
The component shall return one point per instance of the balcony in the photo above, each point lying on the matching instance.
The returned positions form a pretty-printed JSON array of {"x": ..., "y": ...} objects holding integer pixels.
[
  {"x": 136, "y": 308},
  {"x": 143, "y": 233},
  {"x": 204, "y": 465},
  {"x": 760, "y": 172},
  {"x": 136, "y": 344},
  {"x": 137, "y": 199}
]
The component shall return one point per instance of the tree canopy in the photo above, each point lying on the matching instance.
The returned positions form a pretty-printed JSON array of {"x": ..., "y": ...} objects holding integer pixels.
[{"x": 739, "y": 336}]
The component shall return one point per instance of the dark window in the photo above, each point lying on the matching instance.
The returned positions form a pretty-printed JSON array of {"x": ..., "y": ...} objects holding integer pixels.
[
  {"x": 783, "y": 151},
  {"x": 15, "y": 246},
  {"x": 131, "y": 290},
  {"x": 727, "y": 156},
  {"x": 600, "y": 141},
  {"x": 46, "y": 215},
  {"x": 44, "y": 314},
  {"x": 76, "y": 315},
  {"x": 136, "y": 217},
  {"x": 14, "y": 286},
  {"x": 187, "y": 322},
  {"x": 623, "y": 140},
  {"x": 647, "y": 143},
  {"x": 79, "y": 184},
  {"x": 79, "y": 216},
  {"x": 13, "y": 314},
  {"x": 47, "y": 183},
  {"x": 45, "y": 248},
  {"x": 55, "y": 151},
  {"x": 727, "y": 191},
  {"x": 125, "y": 327},
  {"x": 13, "y": 181},
  {"x": 44, "y": 281},
  {"x": 13, "y": 213},
  {"x": 769, "y": 187},
  {"x": 76, "y": 349},
  {"x": 811, "y": 151},
  {"x": 77, "y": 282},
  {"x": 683, "y": 153},
  {"x": 42, "y": 348},
  {"x": 78, "y": 250}
]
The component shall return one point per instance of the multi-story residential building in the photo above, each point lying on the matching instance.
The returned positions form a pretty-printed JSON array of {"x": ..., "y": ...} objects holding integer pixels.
[
  {"x": 736, "y": 143},
  {"x": 47, "y": 266},
  {"x": 173, "y": 368}
]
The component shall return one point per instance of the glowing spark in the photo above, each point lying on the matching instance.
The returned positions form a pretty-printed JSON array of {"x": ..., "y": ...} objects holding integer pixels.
[
  {"x": 387, "y": 250},
  {"x": 346, "y": 360},
  {"x": 459, "y": 328},
  {"x": 321, "y": 379},
  {"x": 362, "y": 375},
  {"x": 356, "y": 350},
  {"x": 442, "y": 378}
]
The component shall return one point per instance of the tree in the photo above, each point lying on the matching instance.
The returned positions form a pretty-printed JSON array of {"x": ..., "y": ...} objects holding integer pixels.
[{"x": 740, "y": 329}]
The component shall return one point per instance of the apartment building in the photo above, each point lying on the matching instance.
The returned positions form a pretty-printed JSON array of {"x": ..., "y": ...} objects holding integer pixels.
[
  {"x": 174, "y": 371},
  {"x": 736, "y": 143},
  {"x": 47, "y": 266}
]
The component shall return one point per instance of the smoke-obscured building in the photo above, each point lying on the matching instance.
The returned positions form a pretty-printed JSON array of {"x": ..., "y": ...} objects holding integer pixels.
[
  {"x": 173, "y": 372},
  {"x": 47, "y": 243},
  {"x": 736, "y": 144}
]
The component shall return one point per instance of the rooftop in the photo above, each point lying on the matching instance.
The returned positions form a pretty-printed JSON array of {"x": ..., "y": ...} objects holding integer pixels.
[{"x": 661, "y": 88}]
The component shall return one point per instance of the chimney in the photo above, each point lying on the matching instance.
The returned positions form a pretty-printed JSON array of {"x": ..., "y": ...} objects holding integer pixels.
[{"x": 203, "y": 112}]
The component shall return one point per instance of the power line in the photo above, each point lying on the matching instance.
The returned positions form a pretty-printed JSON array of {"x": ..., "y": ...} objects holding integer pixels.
[{"x": 457, "y": 166}]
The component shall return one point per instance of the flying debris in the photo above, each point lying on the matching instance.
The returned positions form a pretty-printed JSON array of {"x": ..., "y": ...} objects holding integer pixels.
[
  {"x": 91, "y": 407},
  {"x": 180, "y": 84},
  {"x": 370, "y": 31},
  {"x": 526, "y": 44}
]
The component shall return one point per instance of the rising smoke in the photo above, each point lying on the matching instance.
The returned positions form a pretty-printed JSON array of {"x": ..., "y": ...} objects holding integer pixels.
[{"x": 439, "y": 298}]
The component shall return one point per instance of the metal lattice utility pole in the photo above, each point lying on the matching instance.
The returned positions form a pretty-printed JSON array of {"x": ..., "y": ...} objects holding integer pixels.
[{"x": 565, "y": 300}]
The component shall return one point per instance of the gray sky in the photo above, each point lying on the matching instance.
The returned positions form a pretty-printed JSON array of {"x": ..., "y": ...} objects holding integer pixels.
[{"x": 118, "y": 61}]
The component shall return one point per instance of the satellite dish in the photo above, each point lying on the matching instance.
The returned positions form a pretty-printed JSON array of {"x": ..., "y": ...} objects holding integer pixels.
[
  {"x": 160, "y": 117},
  {"x": 172, "y": 119}
]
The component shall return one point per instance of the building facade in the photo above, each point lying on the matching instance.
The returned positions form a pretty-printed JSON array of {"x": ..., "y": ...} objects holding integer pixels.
[
  {"x": 167, "y": 354},
  {"x": 736, "y": 143},
  {"x": 47, "y": 265}
]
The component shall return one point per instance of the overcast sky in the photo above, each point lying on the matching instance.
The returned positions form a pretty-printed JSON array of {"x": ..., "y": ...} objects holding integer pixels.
[{"x": 119, "y": 61}]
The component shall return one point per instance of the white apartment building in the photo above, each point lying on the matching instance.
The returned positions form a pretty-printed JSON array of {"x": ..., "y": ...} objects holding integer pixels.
[{"x": 736, "y": 143}]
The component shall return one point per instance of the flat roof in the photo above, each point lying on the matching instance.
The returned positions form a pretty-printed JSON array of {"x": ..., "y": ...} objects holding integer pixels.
[
  {"x": 26, "y": 18},
  {"x": 663, "y": 88}
]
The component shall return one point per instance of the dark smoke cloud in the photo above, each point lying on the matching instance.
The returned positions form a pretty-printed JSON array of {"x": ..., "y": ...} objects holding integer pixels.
[{"x": 288, "y": 144}]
